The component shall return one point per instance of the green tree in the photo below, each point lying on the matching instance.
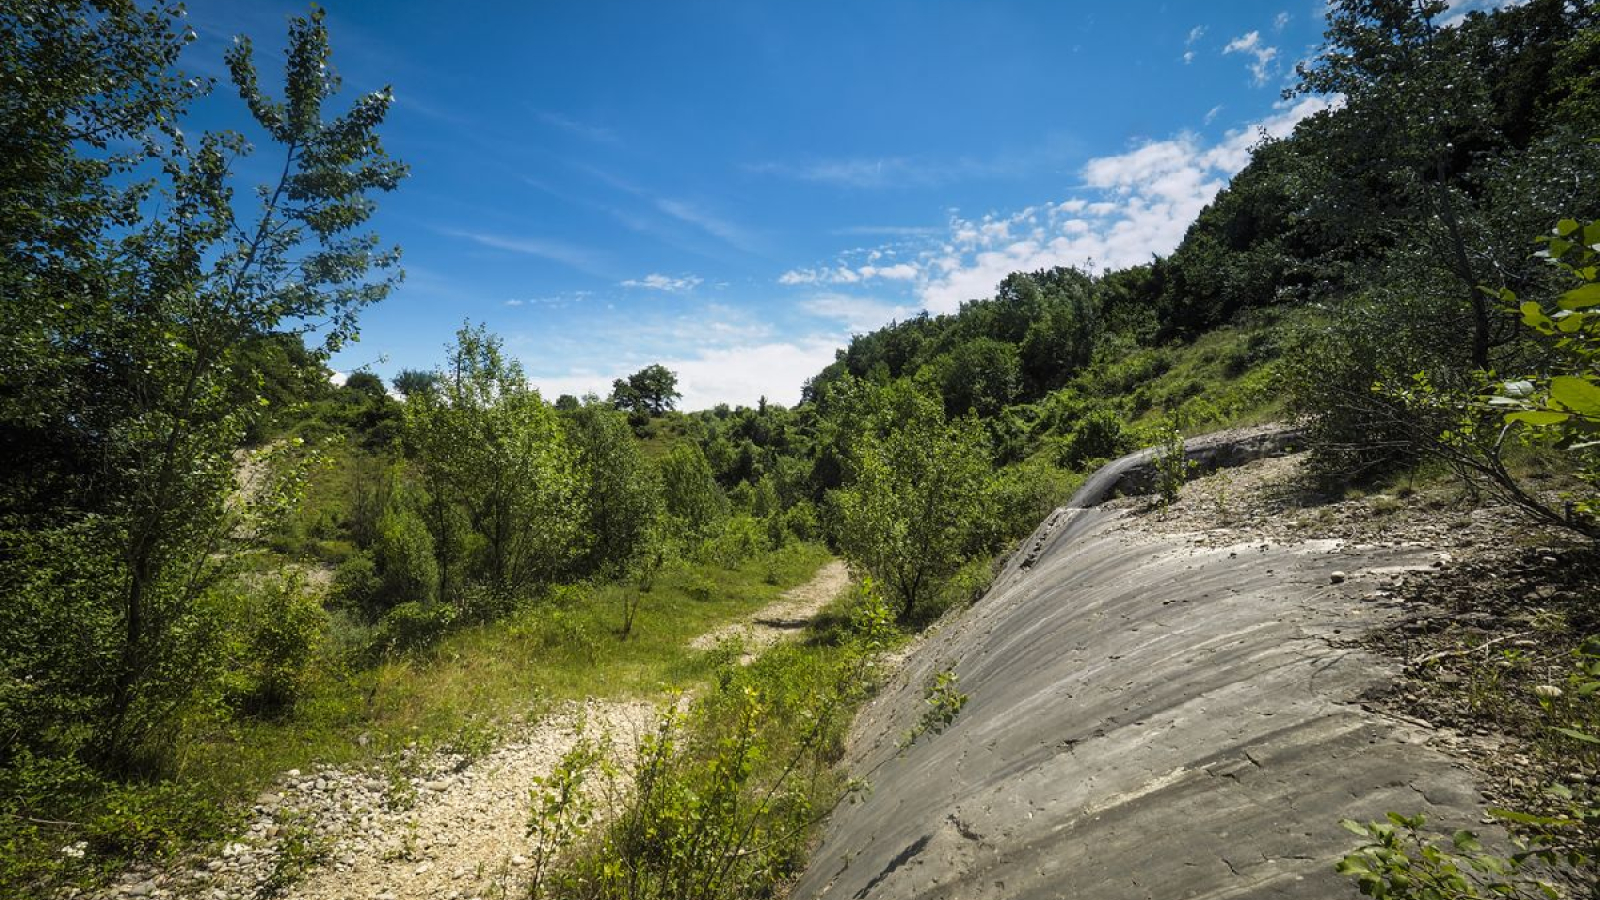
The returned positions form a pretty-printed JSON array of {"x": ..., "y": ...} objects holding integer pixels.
[
  {"x": 131, "y": 295},
  {"x": 620, "y": 491},
  {"x": 1439, "y": 162},
  {"x": 690, "y": 491},
  {"x": 982, "y": 375},
  {"x": 413, "y": 382},
  {"x": 653, "y": 390},
  {"x": 492, "y": 450},
  {"x": 915, "y": 504}
]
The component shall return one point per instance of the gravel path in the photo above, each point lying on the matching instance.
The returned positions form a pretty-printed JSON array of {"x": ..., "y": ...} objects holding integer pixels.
[
  {"x": 438, "y": 825},
  {"x": 786, "y": 617}
]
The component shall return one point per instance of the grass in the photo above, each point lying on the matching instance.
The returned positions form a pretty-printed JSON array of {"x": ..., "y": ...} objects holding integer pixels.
[
  {"x": 492, "y": 673},
  {"x": 726, "y": 794},
  {"x": 460, "y": 694}
]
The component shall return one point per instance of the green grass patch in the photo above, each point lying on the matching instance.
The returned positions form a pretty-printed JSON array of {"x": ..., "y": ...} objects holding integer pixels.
[
  {"x": 724, "y": 797},
  {"x": 458, "y": 694},
  {"x": 566, "y": 648}
]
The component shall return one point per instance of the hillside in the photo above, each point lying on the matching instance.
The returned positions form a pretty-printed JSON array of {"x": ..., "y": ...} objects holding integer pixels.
[{"x": 1185, "y": 702}]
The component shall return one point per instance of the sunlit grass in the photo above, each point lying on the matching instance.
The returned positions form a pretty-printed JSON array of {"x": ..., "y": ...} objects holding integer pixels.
[{"x": 486, "y": 676}]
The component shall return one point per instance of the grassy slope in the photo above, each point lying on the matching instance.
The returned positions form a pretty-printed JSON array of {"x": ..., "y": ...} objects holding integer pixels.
[{"x": 454, "y": 694}]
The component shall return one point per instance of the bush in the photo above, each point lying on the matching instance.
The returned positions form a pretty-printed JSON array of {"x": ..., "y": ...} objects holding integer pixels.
[
  {"x": 414, "y": 626},
  {"x": 283, "y": 629},
  {"x": 1023, "y": 496},
  {"x": 741, "y": 537},
  {"x": 1098, "y": 435},
  {"x": 356, "y": 584},
  {"x": 801, "y": 521},
  {"x": 405, "y": 559},
  {"x": 1355, "y": 432}
]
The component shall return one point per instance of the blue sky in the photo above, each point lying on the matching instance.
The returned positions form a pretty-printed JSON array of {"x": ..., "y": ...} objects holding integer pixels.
[{"x": 733, "y": 188}]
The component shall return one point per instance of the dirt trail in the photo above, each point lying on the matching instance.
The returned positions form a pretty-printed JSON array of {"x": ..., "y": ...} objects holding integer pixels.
[
  {"x": 788, "y": 616},
  {"x": 438, "y": 826},
  {"x": 467, "y": 837}
]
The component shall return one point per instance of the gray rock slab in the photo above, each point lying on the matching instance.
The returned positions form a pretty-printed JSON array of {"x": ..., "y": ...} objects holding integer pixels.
[{"x": 1145, "y": 718}]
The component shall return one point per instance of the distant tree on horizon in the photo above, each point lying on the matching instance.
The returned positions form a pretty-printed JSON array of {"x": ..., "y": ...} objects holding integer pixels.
[{"x": 652, "y": 390}]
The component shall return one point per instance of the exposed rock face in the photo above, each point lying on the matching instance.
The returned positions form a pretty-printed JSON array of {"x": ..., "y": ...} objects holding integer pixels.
[{"x": 1149, "y": 714}]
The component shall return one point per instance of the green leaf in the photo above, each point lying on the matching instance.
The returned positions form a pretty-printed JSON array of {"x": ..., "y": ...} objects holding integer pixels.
[
  {"x": 1538, "y": 417},
  {"x": 1354, "y": 827},
  {"x": 1580, "y": 297},
  {"x": 1575, "y": 734},
  {"x": 1566, "y": 227},
  {"x": 1353, "y": 865},
  {"x": 1576, "y": 394},
  {"x": 1533, "y": 315},
  {"x": 1511, "y": 815}
]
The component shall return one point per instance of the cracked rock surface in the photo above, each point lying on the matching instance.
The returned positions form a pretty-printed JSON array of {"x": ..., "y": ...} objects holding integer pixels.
[{"x": 1150, "y": 712}]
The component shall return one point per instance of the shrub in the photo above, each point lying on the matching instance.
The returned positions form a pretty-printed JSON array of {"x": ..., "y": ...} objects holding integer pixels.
[
  {"x": 1023, "y": 496},
  {"x": 414, "y": 626},
  {"x": 1098, "y": 435},
  {"x": 740, "y": 538},
  {"x": 283, "y": 629},
  {"x": 801, "y": 521},
  {"x": 356, "y": 584},
  {"x": 405, "y": 559}
]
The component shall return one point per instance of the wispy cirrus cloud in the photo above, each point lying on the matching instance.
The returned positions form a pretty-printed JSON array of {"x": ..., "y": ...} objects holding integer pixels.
[
  {"x": 715, "y": 225},
  {"x": 1261, "y": 55},
  {"x": 1195, "y": 34},
  {"x": 589, "y": 132},
  {"x": 583, "y": 259},
  {"x": 887, "y": 231},
  {"x": 890, "y": 172},
  {"x": 870, "y": 172},
  {"x": 673, "y": 285}
]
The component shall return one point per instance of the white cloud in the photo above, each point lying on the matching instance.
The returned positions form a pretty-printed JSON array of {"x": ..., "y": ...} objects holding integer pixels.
[
  {"x": 580, "y": 258},
  {"x": 1250, "y": 44},
  {"x": 1149, "y": 196},
  {"x": 658, "y": 282},
  {"x": 338, "y": 378},
  {"x": 1211, "y": 114},
  {"x": 582, "y": 129},
  {"x": 739, "y": 375},
  {"x": 875, "y": 172},
  {"x": 1280, "y": 21},
  {"x": 849, "y": 275},
  {"x": 859, "y": 314},
  {"x": 889, "y": 230},
  {"x": 1457, "y": 11},
  {"x": 1195, "y": 34},
  {"x": 716, "y": 226}
]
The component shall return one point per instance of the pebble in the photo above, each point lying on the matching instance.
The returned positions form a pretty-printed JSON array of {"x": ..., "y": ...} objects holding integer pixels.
[{"x": 1337, "y": 577}]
